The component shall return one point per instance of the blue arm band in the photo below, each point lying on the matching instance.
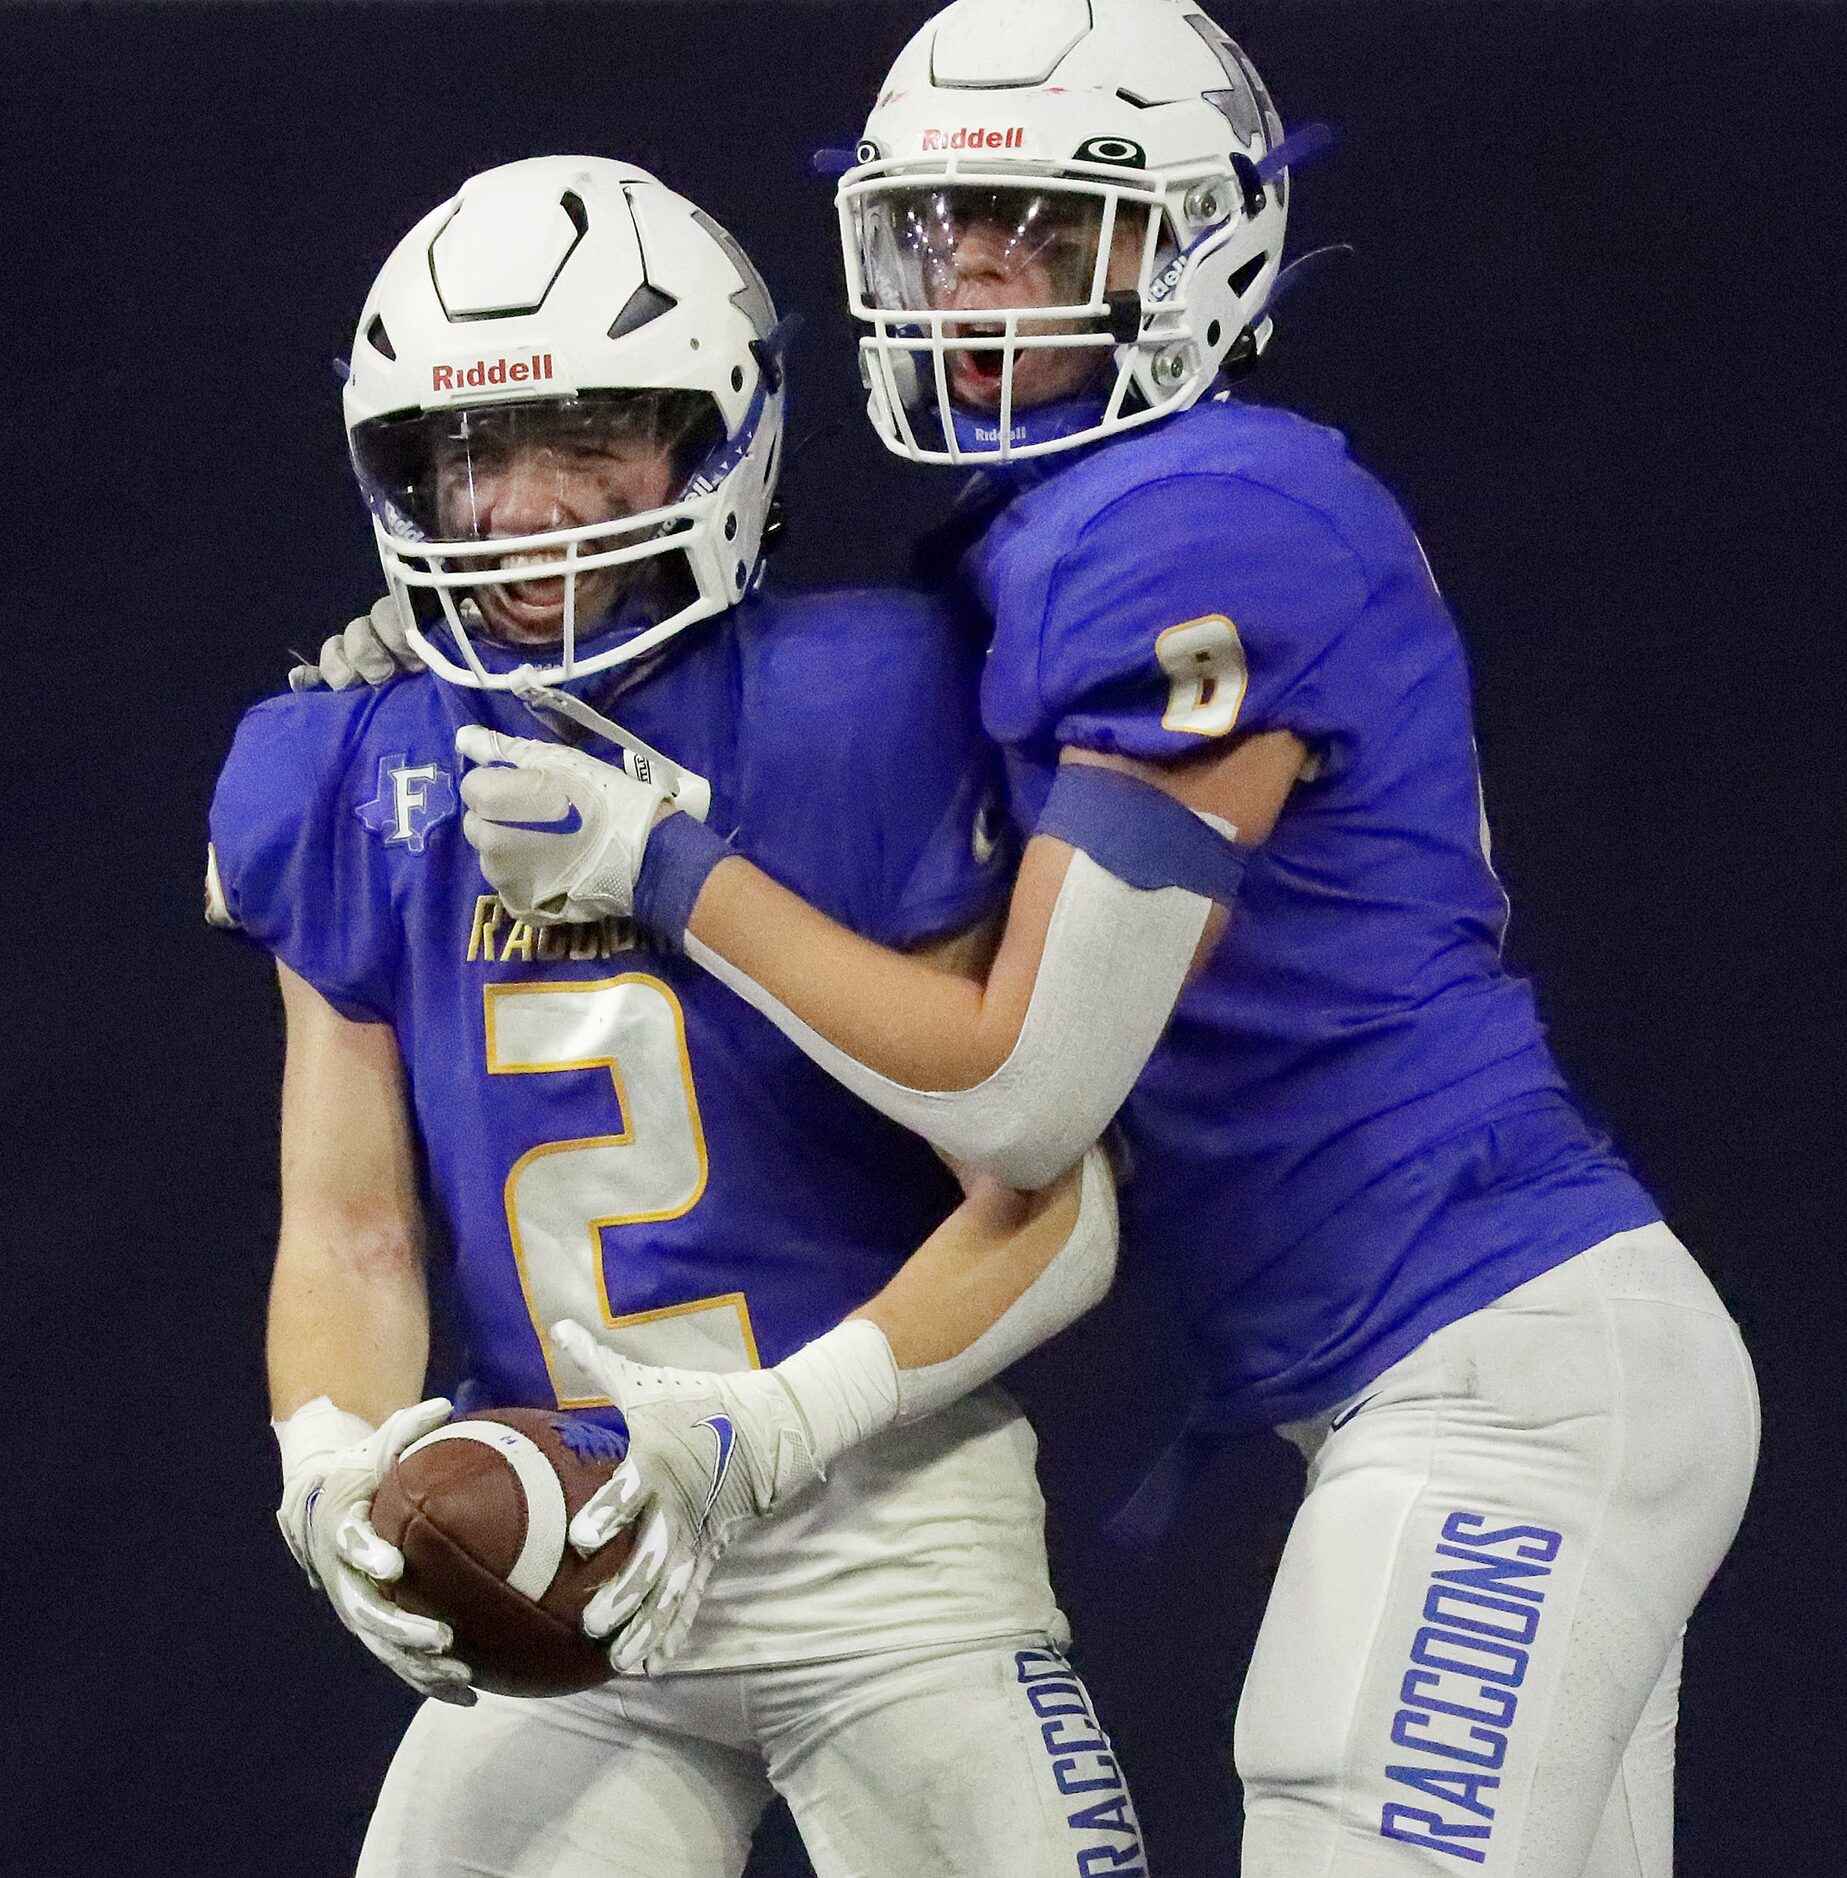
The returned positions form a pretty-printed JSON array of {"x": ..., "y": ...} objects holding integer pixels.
[
  {"x": 681, "y": 852},
  {"x": 1140, "y": 833}
]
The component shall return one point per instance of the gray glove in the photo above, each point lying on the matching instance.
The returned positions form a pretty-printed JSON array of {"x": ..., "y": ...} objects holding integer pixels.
[
  {"x": 560, "y": 833},
  {"x": 371, "y": 651},
  {"x": 708, "y": 1453},
  {"x": 332, "y": 1465}
]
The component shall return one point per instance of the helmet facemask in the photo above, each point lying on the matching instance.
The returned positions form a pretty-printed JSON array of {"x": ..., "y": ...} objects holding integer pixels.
[
  {"x": 541, "y": 526},
  {"x": 1002, "y": 306}
]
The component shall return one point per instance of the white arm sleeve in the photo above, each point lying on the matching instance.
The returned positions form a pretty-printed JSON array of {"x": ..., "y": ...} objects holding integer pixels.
[
  {"x": 1074, "y": 1280},
  {"x": 848, "y": 1386},
  {"x": 1116, "y": 958}
]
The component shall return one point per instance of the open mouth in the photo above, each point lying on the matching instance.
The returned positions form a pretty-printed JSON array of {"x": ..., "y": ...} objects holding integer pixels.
[
  {"x": 532, "y": 602},
  {"x": 975, "y": 377},
  {"x": 532, "y": 611}
]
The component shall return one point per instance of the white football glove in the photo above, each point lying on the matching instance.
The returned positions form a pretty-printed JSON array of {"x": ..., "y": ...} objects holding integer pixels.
[
  {"x": 708, "y": 1453},
  {"x": 559, "y": 875},
  {"x": 371, "y": 651},
  {"x": 327, "y": 1489}
]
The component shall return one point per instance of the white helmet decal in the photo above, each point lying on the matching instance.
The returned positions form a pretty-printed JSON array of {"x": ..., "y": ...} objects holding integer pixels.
[
  {"x": 563, "y": 311},
  {"x": 1064, "y": 221}
]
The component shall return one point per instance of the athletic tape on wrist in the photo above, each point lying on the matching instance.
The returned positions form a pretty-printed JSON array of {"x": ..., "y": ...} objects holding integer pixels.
[
  {"x": 316, "y": 1430},
  {"x": 681, "y": 852},
  {"x": 844, "y": 1385},
  {"x": 1140, "y": 833}
]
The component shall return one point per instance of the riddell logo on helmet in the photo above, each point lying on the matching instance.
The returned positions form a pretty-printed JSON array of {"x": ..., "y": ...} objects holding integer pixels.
[
  {"x": 976, "y": 139},
  {"x": 499, "y": 372}
]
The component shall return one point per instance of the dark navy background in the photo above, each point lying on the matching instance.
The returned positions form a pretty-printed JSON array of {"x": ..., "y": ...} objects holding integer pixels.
[{"x": 1590, "y": 335}]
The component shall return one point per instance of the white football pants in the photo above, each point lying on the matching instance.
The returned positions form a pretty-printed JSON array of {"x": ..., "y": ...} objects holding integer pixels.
[
  {"x": 1471, "y": 1658},
  {"x": 978, "y": 1761}
]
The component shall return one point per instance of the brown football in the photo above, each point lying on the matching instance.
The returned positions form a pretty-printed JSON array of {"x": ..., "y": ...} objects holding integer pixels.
[{"x": 479, "y": 1510}]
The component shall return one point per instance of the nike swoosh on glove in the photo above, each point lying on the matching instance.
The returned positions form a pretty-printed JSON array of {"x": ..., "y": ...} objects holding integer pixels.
[
  {"x": 325, "y": 1517},
  {"x": 560, "y": 834},
  {"x": 708, "y": 1453}
]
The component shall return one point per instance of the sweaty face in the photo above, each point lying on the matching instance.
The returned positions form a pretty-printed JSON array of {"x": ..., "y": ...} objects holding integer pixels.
[
  {"x": 512, "y": 486},
  {"x": 974, "y": 250},
  {"x": 496, "y": 472}
]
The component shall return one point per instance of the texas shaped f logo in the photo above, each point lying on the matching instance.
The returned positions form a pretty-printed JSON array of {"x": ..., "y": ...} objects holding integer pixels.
[{"x": 411, "y": 799}]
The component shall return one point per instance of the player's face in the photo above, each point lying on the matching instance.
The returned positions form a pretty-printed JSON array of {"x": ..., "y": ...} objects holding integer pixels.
[
  {"x": 506, "y": 483},
  {"x": 1004, "y": 250}
]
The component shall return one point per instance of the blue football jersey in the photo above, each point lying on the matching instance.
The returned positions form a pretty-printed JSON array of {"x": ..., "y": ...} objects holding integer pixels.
[
  {"x": 612, "y": 1135},
  {"x": 1353, "y": 1131}
]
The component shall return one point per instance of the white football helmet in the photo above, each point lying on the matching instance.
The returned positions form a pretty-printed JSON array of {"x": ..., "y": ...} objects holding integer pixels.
[
  {"x": 564, "y": 408},
  {"x": 1047, "y": 189}
]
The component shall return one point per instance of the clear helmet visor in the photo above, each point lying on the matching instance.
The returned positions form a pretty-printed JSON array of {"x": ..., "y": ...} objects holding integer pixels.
[
  {"x": 553, "y": 516},
  {"x": 973, "y": 245},
  {"x": 1005, "y": 289}
]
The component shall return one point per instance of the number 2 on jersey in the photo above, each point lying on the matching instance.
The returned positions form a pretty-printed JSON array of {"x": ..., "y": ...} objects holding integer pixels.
[
  {"x": 561, "y": 1197},
  {"x": 1207, "y": 675}
]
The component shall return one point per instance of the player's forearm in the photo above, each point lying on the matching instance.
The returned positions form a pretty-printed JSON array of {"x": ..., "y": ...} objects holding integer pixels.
[
  {"x": 1120, "y": 893},
  {"x": 1089, "y": 969},
  {"x": 972, "y": 1269},
  {"x": 903, "y": 1017},
  {"x": 348, "y": 1321},
  {"x": 1002, "y": 1275},
  {"x": 349, "y": 1311}
]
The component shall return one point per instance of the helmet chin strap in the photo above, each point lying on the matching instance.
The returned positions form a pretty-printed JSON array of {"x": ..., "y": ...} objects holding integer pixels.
[{"x": 642, "y": 761}]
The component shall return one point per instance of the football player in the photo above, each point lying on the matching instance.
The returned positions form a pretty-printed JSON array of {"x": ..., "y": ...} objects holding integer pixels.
[
  {"x": 1223, "y": 678},
  {"x": 564, "y": 409}
]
